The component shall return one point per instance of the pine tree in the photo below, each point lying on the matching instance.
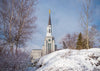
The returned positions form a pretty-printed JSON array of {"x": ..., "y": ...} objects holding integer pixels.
[
  {"x": 79, "y": 42},
  {"x": 84, "y": 46}
]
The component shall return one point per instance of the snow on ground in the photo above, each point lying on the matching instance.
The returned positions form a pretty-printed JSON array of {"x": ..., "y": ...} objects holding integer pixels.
[{"x": 71, "y": 60}]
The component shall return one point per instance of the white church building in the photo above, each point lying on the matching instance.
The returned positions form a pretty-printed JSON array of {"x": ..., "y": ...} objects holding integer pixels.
[{"x": 49, "y": 43}]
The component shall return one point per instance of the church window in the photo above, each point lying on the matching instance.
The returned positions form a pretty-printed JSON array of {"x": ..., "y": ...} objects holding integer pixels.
[
  {"x": 49, "y": 30},
  {"x": 49, "y": 47}
]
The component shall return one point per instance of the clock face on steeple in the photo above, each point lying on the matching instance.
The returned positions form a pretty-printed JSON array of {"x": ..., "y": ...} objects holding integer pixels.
[{"x": 49, "y": 40}]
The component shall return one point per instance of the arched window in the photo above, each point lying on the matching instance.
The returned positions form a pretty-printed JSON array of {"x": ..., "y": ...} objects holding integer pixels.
[
  {"x": 49, "y": 30},
  {"x": 49, "y": 47}
]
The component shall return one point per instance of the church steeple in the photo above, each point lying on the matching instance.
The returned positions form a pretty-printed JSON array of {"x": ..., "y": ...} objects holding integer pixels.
[
  {"x": 49, "y": 27},
  {"x": 49, "y": 23},
  {"x": 49, "y": 43}
]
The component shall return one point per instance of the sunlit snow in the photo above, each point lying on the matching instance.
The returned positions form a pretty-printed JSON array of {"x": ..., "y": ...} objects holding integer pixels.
[{"x": 71, "y": 60}]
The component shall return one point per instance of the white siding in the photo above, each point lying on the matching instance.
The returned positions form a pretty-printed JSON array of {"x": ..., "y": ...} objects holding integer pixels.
[{"x": 35, "y": 54}]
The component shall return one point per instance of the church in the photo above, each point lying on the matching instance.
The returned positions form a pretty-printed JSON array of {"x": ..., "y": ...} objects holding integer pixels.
[{"x": 49, "y": 43}]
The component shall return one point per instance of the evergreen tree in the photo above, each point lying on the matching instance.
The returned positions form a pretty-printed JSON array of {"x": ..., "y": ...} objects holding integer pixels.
[
  {"x": 79, "y": 42},
  {"x": 84, "y": 46}
]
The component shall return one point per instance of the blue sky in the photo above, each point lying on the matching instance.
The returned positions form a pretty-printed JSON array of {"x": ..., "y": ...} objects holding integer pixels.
[{"x": 65, "y": 18}]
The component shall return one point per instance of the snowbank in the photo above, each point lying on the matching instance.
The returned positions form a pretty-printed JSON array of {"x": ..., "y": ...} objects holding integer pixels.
[{"x": 71, "y": 60}]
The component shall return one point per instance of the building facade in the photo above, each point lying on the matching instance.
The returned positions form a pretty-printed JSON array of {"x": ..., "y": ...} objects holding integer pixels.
[{"x": 49, "y": 43}]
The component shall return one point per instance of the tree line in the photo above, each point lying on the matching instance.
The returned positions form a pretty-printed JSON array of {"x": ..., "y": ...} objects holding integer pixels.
[{"x": 78, "y": 41}]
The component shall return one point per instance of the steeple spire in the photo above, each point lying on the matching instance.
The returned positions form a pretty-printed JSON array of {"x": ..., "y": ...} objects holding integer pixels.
[
  {"x": 49, "y": 11},
  {"x": 49, "y": 23}
]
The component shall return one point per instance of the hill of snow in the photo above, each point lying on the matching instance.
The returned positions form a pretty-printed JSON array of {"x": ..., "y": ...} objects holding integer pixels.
[{"x": 71, "y": 60}]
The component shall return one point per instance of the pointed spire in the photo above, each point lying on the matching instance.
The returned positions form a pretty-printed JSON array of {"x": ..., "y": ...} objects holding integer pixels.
[
  {"x": 49, "y": 11},
  {"x": 49, "y": 23}
]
